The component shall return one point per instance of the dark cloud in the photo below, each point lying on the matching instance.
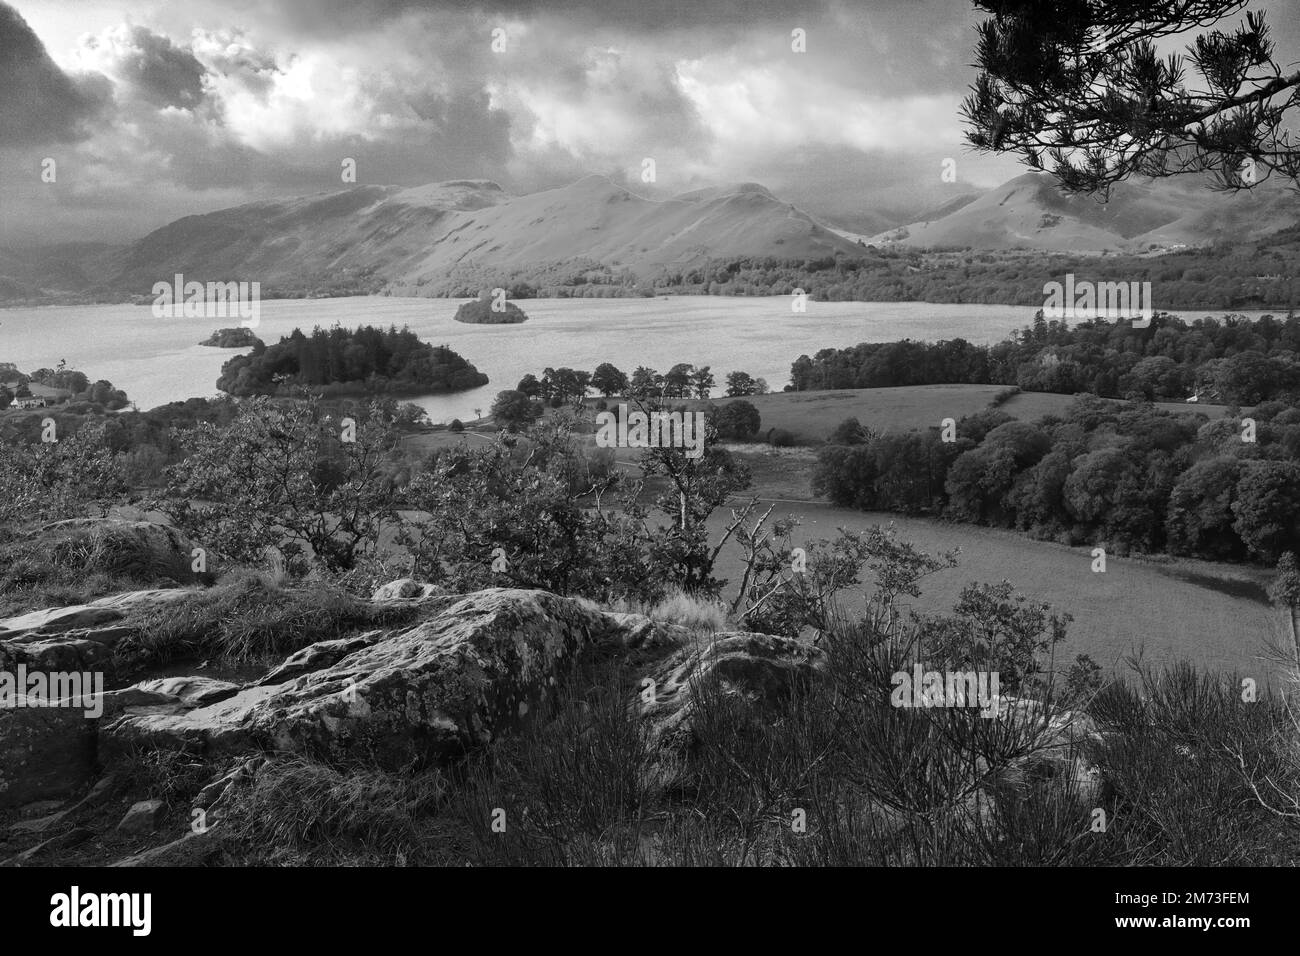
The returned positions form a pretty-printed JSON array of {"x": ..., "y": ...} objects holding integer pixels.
[
  {"x": 39, "y": 103},
  {"x": 333, "y": 17},
  {"x": 162, "y": 73}
]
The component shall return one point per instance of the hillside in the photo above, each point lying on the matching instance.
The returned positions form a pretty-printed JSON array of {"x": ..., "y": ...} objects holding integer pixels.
[
  {"x": 1029, "y": 212},
  {"x": 456, "y": 237}
]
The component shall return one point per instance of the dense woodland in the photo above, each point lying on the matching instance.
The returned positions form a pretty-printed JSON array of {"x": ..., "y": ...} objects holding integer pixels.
[
  {"x": 340, "y": 361},
  {"x": 1235, "y": 361},
  {"x": 1129, "y": 477}
]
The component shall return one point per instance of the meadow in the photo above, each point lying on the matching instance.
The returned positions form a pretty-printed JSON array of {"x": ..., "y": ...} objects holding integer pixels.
[{"x": 1213, "y": 614}]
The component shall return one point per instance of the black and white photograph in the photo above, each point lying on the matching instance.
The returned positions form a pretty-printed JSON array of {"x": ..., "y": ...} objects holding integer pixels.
[{"x": 650, "y": 434}]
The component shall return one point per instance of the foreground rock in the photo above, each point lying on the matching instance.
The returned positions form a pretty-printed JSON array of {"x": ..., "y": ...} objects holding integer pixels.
[
  {"x": 142, "y": 818},
  {"x": 477, "y": 668},
  {"x": 1067, "y": 740},
  {"x": 762, "y": 668},
  {"x": 79, "y": 637}
]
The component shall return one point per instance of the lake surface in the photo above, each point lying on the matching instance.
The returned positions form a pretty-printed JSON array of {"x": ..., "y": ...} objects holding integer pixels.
[{"x": 158, "y": 360}]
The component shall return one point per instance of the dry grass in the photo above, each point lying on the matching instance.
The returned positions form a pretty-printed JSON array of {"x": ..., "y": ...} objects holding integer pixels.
[{"x": 693, "y": 612}]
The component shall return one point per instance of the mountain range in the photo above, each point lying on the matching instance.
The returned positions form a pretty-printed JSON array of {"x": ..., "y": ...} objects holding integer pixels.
[
  {"x": 1141, "y": 216},
  {"x": 456, "y": 238}
]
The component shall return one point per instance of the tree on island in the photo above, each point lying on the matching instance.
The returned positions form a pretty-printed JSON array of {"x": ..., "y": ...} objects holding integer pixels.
[
  {"x": 339, "y": 361},
  {"x": 236, "y": 338},
  {"x": 1080, "y": 84},
  {"x": 489, "y": 309}
]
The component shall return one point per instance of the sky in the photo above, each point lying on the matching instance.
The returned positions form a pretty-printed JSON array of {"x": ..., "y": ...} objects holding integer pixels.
[{"x": 151, "y": 110}]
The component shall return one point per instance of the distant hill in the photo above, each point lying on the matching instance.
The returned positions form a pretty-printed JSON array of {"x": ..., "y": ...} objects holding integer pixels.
[
  {"x": 53, "y": 271},
  {"x": 457, "y": 238},
  {"x": 1030, "y": 212}
]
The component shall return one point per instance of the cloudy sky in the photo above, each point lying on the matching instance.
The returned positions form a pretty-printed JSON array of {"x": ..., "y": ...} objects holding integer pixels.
[{"x": 156, "y": 109}]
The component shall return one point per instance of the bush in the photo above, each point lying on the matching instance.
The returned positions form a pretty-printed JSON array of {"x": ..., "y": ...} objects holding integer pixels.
[{"x": 780, "y": 438}]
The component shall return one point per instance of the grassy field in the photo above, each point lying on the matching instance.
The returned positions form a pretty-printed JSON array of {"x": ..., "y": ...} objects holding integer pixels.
[
  {"x": 811, "y": 416},
  {"x": 1212, "y": 614}
]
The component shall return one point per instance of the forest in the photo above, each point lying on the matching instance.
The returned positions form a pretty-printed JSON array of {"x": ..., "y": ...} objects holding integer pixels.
[
  {"x": 1233, "y": 361},
  {"x": 1127, "y": 477}
]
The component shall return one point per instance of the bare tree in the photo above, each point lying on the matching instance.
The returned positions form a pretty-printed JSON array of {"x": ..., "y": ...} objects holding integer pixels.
[{"x": 1079, "y": 85}]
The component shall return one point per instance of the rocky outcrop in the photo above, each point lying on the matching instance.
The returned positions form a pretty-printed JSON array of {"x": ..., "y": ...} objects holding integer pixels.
[
  {"x": 475, "y": 668},
  {"x": 760, "y": 667},
  {"x": 1066, "y": 740},
  {"x": 79, "y": 637}
]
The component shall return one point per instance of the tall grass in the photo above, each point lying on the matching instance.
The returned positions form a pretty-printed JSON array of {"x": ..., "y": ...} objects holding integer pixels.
[{"x": 249, "y": 616}]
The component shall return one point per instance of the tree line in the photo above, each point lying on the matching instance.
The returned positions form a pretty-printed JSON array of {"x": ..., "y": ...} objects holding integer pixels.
[
  {"x": 1234, "y": 360},
  {"x": 1132, "y": 478}
]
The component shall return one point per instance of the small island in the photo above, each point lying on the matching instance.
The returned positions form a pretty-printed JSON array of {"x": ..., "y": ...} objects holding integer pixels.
[
  {"x": 337, "y": 361},
  {"x": 480, "y": 311},
  {"x": 237, "y": 338}
]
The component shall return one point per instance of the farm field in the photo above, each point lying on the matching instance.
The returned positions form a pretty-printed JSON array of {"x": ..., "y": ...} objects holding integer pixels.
[
  {"x": 1212, "y": 614},
  {"x": 811, "y": 416}
]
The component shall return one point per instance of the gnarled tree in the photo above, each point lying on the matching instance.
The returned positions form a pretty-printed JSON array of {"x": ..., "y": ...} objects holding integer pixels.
[{"x": 1093, "y": 90}]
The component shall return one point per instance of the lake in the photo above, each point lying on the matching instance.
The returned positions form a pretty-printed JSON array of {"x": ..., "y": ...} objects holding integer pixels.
[{"x": 158, "y": 360}]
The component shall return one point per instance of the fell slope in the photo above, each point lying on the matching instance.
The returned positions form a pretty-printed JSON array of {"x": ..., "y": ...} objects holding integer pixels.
[
  {"x": 414, "y": 241},
  {"x": 1029, "y": 212}
]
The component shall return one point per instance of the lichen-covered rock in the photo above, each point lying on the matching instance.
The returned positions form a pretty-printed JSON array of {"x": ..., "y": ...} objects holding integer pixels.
[
  {"x": 93, "y": 614},
  {"x": 456, "y": 681},
  {"x": 215, "y": 729},
  {"x": 190, "y": 691},
  {"x": 318, "y": 656},
  {"x": 762, "y": 667},
  {"x": 79, "y": 637},
  {"x": 142, "y": 817},
  {"x": 403, "y": 589},
  {"x": 471, "y": 671}
]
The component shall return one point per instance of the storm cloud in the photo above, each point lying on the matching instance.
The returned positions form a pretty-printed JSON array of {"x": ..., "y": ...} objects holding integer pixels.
[{"x": 156, "y": 110}]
